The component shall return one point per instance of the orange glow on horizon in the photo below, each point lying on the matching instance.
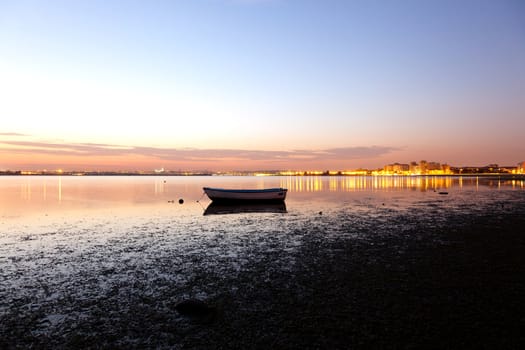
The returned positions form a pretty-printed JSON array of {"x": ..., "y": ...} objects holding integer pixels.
[{"x": 35, "y": 161}]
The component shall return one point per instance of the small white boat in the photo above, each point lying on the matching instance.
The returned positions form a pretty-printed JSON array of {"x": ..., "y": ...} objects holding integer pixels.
[{"x": 234, "y": 195}]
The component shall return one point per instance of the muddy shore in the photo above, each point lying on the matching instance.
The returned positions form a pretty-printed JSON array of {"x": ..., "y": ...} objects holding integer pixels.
[{"x": 411, "y": 282}]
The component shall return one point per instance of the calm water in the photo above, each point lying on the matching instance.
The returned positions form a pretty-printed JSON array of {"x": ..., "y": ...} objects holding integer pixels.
[
  {"x": 32, "y": 205},
  {"x": 35, "y": 199}
]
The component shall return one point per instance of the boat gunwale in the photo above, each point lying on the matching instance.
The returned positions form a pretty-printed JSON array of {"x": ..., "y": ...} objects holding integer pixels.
[{"x": 264, "y": 190}]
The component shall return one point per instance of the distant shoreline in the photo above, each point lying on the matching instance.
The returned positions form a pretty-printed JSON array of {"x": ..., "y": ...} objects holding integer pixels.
[{"x": 240, "y": 174}]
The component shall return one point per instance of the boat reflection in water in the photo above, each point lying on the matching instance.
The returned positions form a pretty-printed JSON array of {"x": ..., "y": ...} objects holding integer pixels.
[{"x": 237, "y": 208}]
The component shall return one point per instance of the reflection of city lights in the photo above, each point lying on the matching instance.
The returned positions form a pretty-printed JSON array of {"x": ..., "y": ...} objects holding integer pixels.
[
  {"x": 25, "y": 190},
  {"x": 60, "y": 189},
  {"x": 362, "y": 183},
  {"x": 159, "y": 186}
]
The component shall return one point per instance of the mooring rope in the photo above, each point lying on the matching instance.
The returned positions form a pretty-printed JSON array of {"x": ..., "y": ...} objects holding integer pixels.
[{"x": 203, "y": 193}]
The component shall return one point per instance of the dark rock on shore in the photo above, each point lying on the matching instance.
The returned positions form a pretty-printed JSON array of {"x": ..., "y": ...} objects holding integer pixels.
[{"x": 197, "y": 310}]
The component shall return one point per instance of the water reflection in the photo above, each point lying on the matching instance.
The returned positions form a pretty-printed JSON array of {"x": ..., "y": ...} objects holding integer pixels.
[
  {"x": 25, "y": 191},
  {"x": 218, "y": 209},
  {"x": 159, "y": 186},
  {"x": 60, "y": 189},
  {"x": 22, "y": 195},
  {"x": 45, "y": 195},
  {"x": 367, "y": 183}
]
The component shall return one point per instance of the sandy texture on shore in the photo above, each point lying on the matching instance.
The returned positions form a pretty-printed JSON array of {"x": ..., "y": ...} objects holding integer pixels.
[{"x": 427, "y": 277}]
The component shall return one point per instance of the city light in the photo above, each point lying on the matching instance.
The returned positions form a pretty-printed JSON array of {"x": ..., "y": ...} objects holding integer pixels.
[{"x": 421, "y": 168}]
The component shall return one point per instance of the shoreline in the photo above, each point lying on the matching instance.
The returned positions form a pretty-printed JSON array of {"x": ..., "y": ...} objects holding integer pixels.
[{"x": 519, "y": 177}]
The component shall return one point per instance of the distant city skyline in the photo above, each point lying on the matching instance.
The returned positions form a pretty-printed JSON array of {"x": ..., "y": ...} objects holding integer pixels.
[
  {"x": 422, "y": 167},
  {"x": 267, "y": 84}
]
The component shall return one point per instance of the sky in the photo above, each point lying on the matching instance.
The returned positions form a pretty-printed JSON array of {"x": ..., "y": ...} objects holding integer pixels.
[{"x": 260, "y": 84}]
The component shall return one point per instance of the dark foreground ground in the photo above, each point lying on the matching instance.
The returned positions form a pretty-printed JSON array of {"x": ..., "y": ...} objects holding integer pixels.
[{"x": 461, "y": 285}]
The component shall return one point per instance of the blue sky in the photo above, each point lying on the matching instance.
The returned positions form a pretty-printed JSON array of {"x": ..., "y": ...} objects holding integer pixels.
[{"x": 437, "y": 80}]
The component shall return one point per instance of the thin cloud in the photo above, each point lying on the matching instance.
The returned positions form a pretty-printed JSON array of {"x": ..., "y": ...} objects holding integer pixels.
[
  {"x": 12, "y": 134},
  {"x": 66, "y": 149},
  {"x": 194, "y": 154}
]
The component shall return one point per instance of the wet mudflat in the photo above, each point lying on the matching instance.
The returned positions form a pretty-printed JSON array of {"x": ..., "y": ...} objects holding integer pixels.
[{"x": 434, "y": 273}]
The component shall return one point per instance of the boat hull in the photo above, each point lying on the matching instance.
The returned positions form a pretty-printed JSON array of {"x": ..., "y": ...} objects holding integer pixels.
[{"x": 244, "y": 195}]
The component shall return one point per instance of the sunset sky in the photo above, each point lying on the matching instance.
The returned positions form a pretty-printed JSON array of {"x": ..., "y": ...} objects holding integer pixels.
[{"x": 260, "y": 84}]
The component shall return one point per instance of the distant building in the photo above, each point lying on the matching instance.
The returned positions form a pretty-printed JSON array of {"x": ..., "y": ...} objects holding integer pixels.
[
  {"x": 396, "y": 169},
  {"x": 507, "y": 170},
  {"x": 413, "y": 168},
  {"x": 423, "y": 167},
  {"x": 521, "y": 168},
  {"x": 434, "y": 168},
  {"x": 400, "y": 168}
]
